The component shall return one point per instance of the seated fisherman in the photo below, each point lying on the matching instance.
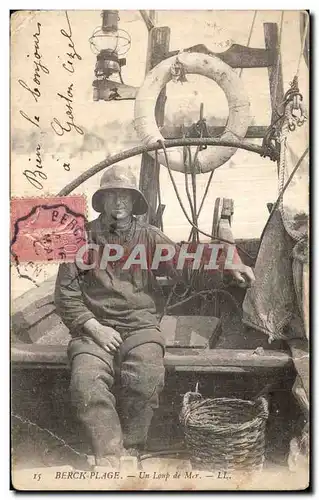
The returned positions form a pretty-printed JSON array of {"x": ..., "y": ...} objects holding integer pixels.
[{"x": 112, "y": 319}]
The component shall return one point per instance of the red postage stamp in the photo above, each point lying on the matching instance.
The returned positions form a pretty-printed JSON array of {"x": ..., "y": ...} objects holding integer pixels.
[{"x": 47, "y": 229}]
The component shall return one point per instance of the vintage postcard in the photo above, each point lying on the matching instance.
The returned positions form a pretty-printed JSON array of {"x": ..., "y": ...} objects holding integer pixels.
[{"x": 159, "y": 250}]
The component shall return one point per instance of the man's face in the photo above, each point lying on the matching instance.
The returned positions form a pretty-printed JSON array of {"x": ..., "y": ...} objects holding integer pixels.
[{"x": 118, "y": 203}]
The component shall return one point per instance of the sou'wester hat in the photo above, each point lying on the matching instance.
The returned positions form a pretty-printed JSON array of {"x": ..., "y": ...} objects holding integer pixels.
[{"x": 119, "y": 177}]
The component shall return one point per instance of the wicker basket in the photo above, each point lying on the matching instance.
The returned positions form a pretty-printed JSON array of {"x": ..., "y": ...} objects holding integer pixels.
[{"x": 225, "y": 434}]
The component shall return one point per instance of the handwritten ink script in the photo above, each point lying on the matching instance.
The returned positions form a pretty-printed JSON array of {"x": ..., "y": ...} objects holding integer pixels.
[
  {"x": 60, "y": 125},
  {"x": 33, "y": 176},
  {"x": 69, "y": 65},
  {"x": 58, "y": 128},
  {"x": 39, "y": 67},
  {"x": 72, "y": 55}
]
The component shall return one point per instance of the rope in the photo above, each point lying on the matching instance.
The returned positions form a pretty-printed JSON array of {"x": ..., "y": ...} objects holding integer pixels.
[
  {"x": 292, "y": 94},
  {"x": 292, "y": 101},
  {"x": 249, "y": 36},
  {"x": 210, "y": 236},
  {"x": 204, "y": 293},
  {"x": 194, "y": 234},
  {"x": 187, "y": 152},
  {"x": 193, "y": 174},
  {"x": 157, "y": 167},
  {"x": 275, "y": 206},
  {"x": 204, "y": 198},
  {"x": 281, "y": 173},
  {"x": 294, "y": 83},
  {"x": 302, "y": 45}
]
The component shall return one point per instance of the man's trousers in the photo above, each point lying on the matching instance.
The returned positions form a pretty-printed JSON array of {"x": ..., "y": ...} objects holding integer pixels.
[{"x": 114, "y": 399}]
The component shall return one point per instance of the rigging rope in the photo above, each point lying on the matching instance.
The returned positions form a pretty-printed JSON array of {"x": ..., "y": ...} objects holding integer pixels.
[
  {"x": 203, "y": 198},
  {"x": 205, "y": 293},
  {"x": 292, "y": 101},
  {"x": 193, "y": 174},
  {"x": 210, "y": 236},
  {"x": 302, "y": 45},
  {"x": 295, "y": 79},
  {"x": 157, "y": 168},
  {"x": 249, "y": 36},
  {"x": 187, "y": 153},
  {"x": 276, "y": 204}
]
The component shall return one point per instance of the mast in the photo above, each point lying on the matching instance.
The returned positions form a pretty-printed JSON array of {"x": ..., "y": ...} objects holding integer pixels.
[{"x": 158, "y": 47}]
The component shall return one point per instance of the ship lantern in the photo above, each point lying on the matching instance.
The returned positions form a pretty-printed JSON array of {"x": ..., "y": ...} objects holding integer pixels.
[{"x": 109, "y": 43}]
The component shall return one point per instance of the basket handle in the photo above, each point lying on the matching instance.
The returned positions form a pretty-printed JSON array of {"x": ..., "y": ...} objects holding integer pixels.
[
  {"x": 190, "y": 397},
  {"x": 264, "y": 407}
]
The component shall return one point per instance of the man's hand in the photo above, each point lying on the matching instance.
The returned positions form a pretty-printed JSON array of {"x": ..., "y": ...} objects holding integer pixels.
[
  {"x": 105, "y": 336},
  {"x": 244, "y": 275}
]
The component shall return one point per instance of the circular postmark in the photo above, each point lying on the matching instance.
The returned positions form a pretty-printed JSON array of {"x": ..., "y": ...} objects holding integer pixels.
[{"x": 47, "y": 229}]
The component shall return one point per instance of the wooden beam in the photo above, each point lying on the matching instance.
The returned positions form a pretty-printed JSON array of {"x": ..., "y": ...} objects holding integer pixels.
[
  {"x": 158, "y": 46},
  {"x": 28, "y": 356},
  {"x": 147, "y": 19},
  {"x": 108, "y": 90},
  {"x": 212, "y": 369},
  {"x": 237, "y": 56},
  {"x": 227, "y": 357},
  {"x": 174, "y": 131},
  {"x": 276, "y": 85}
]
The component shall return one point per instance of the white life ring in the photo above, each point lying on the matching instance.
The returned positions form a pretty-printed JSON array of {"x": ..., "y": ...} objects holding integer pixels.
[{"x": 201, "y": 64}]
